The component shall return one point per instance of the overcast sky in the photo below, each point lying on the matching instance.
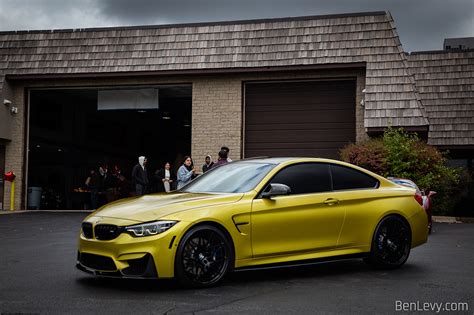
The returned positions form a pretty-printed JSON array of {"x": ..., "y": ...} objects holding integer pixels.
[{"x": 421, "y": 24}]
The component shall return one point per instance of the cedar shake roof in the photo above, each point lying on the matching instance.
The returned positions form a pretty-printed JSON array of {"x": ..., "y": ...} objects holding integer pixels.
[
  {"x": 390, "y": 99},
  {"x": 445, "y": 81}
]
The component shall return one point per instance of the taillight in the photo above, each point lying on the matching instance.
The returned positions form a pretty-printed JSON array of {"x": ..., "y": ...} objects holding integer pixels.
[{"x": 419, "y": 199}]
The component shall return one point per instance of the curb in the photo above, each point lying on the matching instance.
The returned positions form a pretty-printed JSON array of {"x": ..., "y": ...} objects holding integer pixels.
[{"x": 450, "y": 220}]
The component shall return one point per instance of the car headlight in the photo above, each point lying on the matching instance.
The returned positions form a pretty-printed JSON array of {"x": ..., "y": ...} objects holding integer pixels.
[{"x": 148, "y": 229}]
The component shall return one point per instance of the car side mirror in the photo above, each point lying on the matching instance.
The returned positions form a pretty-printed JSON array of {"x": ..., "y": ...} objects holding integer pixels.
[{"x": 276, "y": 190}]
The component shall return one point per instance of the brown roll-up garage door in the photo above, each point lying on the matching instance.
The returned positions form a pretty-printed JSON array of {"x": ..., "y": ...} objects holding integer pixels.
[{"x": 299, "y": 118}]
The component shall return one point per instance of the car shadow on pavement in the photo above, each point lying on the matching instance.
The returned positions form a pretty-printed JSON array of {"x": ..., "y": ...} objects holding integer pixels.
[
  {"x": 118, "y": 284},
  {"x": 320, "y": 270},
  {"x": 327, "y": 270}
]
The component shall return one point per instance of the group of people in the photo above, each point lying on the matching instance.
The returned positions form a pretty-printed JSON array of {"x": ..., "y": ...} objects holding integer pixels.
[
  {"x": 141, "y": 180},
  {"x": 187, "y": 172},
  {"x": 113, "y": 185},
  {"x": 167, "y": 181}
]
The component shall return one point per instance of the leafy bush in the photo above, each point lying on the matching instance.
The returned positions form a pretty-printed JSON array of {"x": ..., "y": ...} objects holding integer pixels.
[
  {"x": 402, "y": 154},
  {"x": 369, "y": 154}
]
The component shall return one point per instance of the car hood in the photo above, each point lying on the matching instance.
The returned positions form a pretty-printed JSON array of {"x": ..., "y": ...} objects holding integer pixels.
[{"x": 151, "y": 207}]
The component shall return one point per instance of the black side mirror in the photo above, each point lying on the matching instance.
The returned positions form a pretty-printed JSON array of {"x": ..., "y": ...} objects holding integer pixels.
[{"x": 276, "y": 190}]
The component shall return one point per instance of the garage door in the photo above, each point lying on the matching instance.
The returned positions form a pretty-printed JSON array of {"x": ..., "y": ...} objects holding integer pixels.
[{"x": 300, "y": 118}]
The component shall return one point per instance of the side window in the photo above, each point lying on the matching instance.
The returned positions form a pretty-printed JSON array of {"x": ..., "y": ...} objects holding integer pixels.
[
  {"x": 347, "y": 178},
  {"x": 305, "y": 178}
]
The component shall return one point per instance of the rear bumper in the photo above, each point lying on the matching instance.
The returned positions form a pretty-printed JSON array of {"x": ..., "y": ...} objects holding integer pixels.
[{"x": 419, "y": 227}]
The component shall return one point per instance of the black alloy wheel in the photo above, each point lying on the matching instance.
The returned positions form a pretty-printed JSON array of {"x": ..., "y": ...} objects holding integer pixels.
[
  {"x": 391, "y": 243},
  {"x": 204, "y": 257}
]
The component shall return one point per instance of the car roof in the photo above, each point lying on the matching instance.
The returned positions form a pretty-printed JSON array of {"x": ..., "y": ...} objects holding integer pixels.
[
  {"x": 279, "y": 160},
  {"x": 267, "y": 159}
]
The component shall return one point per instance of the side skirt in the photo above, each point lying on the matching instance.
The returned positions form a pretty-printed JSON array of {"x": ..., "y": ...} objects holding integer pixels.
[{"x": 306, "y": 262}]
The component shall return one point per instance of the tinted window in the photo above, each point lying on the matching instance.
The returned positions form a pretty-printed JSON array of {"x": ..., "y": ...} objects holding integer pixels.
[
  {"x": 305, "y": 178},
  {"x": 348, "y": 178}
]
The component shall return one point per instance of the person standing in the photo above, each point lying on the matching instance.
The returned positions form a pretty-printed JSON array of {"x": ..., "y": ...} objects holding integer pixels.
[
  {"x": 226, "y": 149},
  {"x": 164, "y": 178},
  {"x": 108, "y": 184},
  {"x": 222, "y": 159},
  {"x": 92, "y": 183},
  {"x": 102, "y": 177},
  {"x": 123, "y": 187},
  {"x": 185, "y": 172},
  {"x": 140, "y": 176},
  {"x": 208, "y": 163}
]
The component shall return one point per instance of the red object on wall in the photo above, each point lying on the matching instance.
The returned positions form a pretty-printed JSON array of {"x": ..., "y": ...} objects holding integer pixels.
[{"x": 9, "y": 176}]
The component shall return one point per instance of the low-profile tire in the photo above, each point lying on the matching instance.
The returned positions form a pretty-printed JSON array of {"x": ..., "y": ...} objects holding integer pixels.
[
  {"x": 391, "y": 243},
  {"x": 204, "y": 257}
]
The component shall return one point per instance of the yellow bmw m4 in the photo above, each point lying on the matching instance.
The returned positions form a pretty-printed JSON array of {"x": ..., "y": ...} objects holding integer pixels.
[{"x": 255, "y": 213}]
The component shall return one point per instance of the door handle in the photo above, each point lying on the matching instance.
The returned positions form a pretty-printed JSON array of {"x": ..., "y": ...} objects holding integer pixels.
[{"x": 331, "y": 201}]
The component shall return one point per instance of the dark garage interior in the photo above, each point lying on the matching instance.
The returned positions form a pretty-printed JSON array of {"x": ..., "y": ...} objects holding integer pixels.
[{"x": 69, "y": 136}]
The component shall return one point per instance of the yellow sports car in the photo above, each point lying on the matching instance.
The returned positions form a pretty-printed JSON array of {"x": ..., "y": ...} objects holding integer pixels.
[{"x": 255, "y": 213}]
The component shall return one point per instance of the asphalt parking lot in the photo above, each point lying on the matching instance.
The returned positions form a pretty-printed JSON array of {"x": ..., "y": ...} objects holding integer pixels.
[{"x": 38, "y": 275}]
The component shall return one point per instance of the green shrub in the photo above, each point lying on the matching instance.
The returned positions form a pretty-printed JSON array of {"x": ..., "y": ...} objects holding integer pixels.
[{"x": 402, "y": 154}]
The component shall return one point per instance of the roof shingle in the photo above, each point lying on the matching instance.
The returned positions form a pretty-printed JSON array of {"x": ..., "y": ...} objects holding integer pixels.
[
  {"x": 390, "y": 99},
  {"x": 445, "y": 82}
]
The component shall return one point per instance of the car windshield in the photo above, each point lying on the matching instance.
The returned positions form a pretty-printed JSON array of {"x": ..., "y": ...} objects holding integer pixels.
[{"x": 238, "y": 177}]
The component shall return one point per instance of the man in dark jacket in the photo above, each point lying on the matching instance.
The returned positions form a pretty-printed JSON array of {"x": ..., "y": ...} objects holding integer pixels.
[
  {"x": 140, "y": 176},
  {"x": 93, "y": 184},
  {"x": 222, "y": 159}
]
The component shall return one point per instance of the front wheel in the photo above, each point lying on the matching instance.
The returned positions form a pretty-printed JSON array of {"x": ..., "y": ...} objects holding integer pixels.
[
  {"x": 391, "y": 243},
  {"x": 204, "y": 257}
]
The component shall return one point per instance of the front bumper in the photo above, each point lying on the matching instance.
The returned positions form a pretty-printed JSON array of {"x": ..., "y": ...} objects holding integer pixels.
[
  {"x": 130, "y": 257},
  {"x": 141, "y": 268}
]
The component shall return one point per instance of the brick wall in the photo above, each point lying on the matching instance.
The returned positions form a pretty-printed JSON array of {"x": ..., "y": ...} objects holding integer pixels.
[
  {"x": 216, "y": 111},
  {"x": 15, "y": 150},
  {"x": 216, "y": 116}
]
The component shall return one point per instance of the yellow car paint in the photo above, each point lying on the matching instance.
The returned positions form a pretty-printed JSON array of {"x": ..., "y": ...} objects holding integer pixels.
[{"x": 263, "y": 231}]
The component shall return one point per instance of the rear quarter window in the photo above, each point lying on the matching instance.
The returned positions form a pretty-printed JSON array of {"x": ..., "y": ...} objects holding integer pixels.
[{"x": 346, "y": 178}]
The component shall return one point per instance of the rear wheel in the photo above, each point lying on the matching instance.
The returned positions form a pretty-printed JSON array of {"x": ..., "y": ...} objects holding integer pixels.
[
  {"x": 204, "y": 257},
  {"x": 391, "y": 243}
]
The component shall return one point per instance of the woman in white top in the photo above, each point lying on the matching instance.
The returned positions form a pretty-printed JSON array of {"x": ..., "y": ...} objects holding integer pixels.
[
  {"x": 167, "y": 179},
  {"x": 164, "y": 178}
]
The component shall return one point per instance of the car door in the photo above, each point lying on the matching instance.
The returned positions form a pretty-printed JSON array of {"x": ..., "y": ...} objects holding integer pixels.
[
  {"x": 307, "y": 220},
  {"x": 357, "y": 192}
]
